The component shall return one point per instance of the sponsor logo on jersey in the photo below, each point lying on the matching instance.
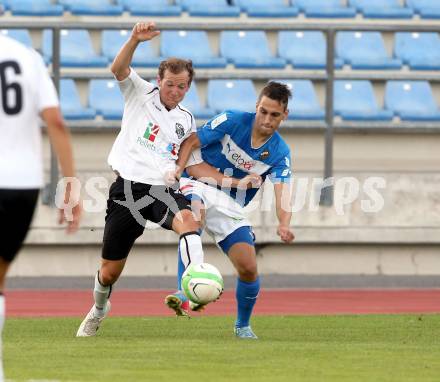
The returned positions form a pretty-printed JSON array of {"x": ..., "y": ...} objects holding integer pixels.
[
  {"x": 240, "y": 159},
  {"x": 236, "y": 158},
  {"x": 172, "y": 148},
  {"x": 151, "y": 132},
  {"x": 264, "y": 155},
  {"x": 180, "y": 131},
  {"x": 218, "y": 120}
]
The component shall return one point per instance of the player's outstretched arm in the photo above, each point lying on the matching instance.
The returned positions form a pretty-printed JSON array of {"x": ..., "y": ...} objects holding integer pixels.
[
  {"x": 141, "y": 32},
  {"x": 284, "y": 211},
  {"x": 186, "y": 148},
  {"x": 209, "y": 174},
  {"x": 60, "y": 139}
]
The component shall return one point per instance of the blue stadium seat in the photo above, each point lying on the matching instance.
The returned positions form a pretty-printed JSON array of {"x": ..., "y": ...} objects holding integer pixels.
[
  {"x": 70, "y": 103},
  {"x": 268, "y": 8},
  {"x": 195, "y": 106},
  {"x": 355, "y": 101},
  {"x": 112, "y": 41},
  {"x": 76, "y": 49},
  {"x": 34, "y": 8},
  {"x": 231, "y": 94},
  {"x": 380, "y": 9},
  {"x": 304, "y": 104},
  {"x": 21, "y": 35},
  {"x": 295, "y": 47},
  {"x": 151, "y": 7},
  {"x": 411, "y": 100},
  {"x": 427, "y": 9},
  {"x": 106, "y": 98},
  {"x": 211, "y": 8},
  {"x": 324, "y": 8},
  {"x": 92, "y": 7},
  {"x": 364, "y": 50},
  {"x": 248, "y": 49},
  {"x": 421, "y": 51},
  {"x": 183, "y": 43}
]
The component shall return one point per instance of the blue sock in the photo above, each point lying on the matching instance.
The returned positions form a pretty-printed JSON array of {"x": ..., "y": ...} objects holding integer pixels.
[
  {"x": 180, "y": 270},
  {"x": 246, "y": 295}
]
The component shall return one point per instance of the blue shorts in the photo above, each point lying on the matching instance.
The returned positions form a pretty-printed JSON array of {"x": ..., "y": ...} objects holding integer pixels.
[{"x": 240, "y": 235}]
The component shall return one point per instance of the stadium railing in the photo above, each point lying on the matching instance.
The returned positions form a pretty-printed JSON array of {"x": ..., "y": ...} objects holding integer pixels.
[{"x": 329, "y": 126}]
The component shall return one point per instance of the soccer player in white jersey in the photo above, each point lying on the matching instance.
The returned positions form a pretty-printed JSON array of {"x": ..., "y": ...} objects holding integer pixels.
[
  {"x": 143, "y": 156},
  {"x": 26, "y": 95},
  {"x": 243, "y": 146}
]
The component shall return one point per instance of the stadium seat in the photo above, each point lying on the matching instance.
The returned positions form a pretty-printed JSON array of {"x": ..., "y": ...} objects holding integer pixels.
[
  {"x": 76, "y": 49},
  {"x": 106, "y": 98},
  {"x": 388, "y": 9},
  {"x": 270, "y": 8},
  {"x": 92, "y": 7},
  {"x": 182, "y": 43},
  {"x": 364, "y": 50},
  {"x": 231, "y": 94},
  {"x": 21, "y": 35},
  {"x": 411, "y": 100},
  {"x": 151, "y": 7},
  {"x": 194, "y": 105},
  {"x": 304, "y": 104},
  {"x": 70, "y": 103},
  {"x": 295, "y": 47},
  {"x": 112, "y": 41},
  {"x": 421, "y": 51},
  {"x": 211, "y": 8},
  {"x": 34, "y": 8},
  {"x": 324, "y": 8},
  {"x": 355, "y": 101},
  {"x": 248, "y": 49},
  {"x": 427, "y": 9}
]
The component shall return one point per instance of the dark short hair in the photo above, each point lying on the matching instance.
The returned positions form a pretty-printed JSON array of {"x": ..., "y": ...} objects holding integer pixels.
[
  {"x": 276, "y": 91},
  {"x": 176, "y": 66}
]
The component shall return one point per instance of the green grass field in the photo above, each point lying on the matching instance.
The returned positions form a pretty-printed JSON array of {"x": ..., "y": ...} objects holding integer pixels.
[{"x": 291, "y": 348}]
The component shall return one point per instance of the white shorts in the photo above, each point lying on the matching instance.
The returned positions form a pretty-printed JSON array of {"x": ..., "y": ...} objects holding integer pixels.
[{"x": 223, "y": 215}]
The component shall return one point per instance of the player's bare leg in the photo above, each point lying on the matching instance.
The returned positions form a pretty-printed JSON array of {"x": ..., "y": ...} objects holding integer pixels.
[{"x": 104, "y": 279}]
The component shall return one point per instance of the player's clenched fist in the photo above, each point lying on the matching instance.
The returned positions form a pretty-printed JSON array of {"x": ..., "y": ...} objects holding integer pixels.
[{"x": 144, "y": 31}]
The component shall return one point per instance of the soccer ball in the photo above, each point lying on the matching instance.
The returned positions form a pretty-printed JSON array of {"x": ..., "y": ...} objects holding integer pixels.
[{"x": 202, "y": 283}]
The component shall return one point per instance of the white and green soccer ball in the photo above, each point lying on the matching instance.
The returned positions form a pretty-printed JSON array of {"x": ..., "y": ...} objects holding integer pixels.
[{"x": 202, "y": 283}]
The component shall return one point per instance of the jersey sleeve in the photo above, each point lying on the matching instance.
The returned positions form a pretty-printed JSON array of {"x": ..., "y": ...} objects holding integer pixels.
[
  {"x": 134, "y": 84},
  {"x": 194, "y": 158},
  {"x": 215, "y": 129},
  {"x": 47, "y": 94},
  {"x": 281, "y": 172}
]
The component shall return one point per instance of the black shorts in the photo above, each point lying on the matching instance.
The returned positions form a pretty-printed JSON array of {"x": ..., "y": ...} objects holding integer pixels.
[
  {"x": 16, "y": 211},
  {"x": 129, "y": 206}
]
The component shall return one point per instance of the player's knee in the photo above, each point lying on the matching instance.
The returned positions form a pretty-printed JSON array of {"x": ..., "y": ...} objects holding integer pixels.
[
  {"x": 108, "y": 276},
  {"x": 186, "y": 220},
  {"x": 248, "y": 272}
]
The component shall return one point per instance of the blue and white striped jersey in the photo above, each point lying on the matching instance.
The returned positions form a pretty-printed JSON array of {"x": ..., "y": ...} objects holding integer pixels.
[{"x": 226, "y": 145}]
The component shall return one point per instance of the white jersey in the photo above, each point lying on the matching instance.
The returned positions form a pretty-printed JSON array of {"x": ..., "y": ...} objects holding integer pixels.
[
  {"x": 25, "y": 90},
  {"x": 150, "y": 137}
]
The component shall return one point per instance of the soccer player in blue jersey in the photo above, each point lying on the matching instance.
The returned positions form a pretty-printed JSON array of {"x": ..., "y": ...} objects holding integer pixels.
[{"x": 246, "y": 148}]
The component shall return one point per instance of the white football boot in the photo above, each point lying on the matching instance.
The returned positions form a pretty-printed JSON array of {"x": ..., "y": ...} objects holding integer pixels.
[{"x": 90, "y": 324}]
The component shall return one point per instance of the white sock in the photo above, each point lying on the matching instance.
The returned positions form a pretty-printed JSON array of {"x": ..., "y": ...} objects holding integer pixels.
[
  {"x": 190, "y": 245},
  {"x": 2, "y": 321},
  {"x": 101, "y": 295}
]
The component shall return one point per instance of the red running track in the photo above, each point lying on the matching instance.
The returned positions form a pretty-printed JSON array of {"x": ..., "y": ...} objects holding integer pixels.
[{"x": 63, "y": 303}]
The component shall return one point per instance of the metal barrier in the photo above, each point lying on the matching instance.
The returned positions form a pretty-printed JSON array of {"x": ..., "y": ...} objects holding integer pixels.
[{"x": 328, "y": 76}]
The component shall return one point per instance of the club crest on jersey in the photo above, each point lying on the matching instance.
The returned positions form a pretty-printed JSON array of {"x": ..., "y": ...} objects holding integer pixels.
[
  {"x": 265, "y": 154},
  {"x": 151, "y": 132},
  {"x": 180, "y": 131}
]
